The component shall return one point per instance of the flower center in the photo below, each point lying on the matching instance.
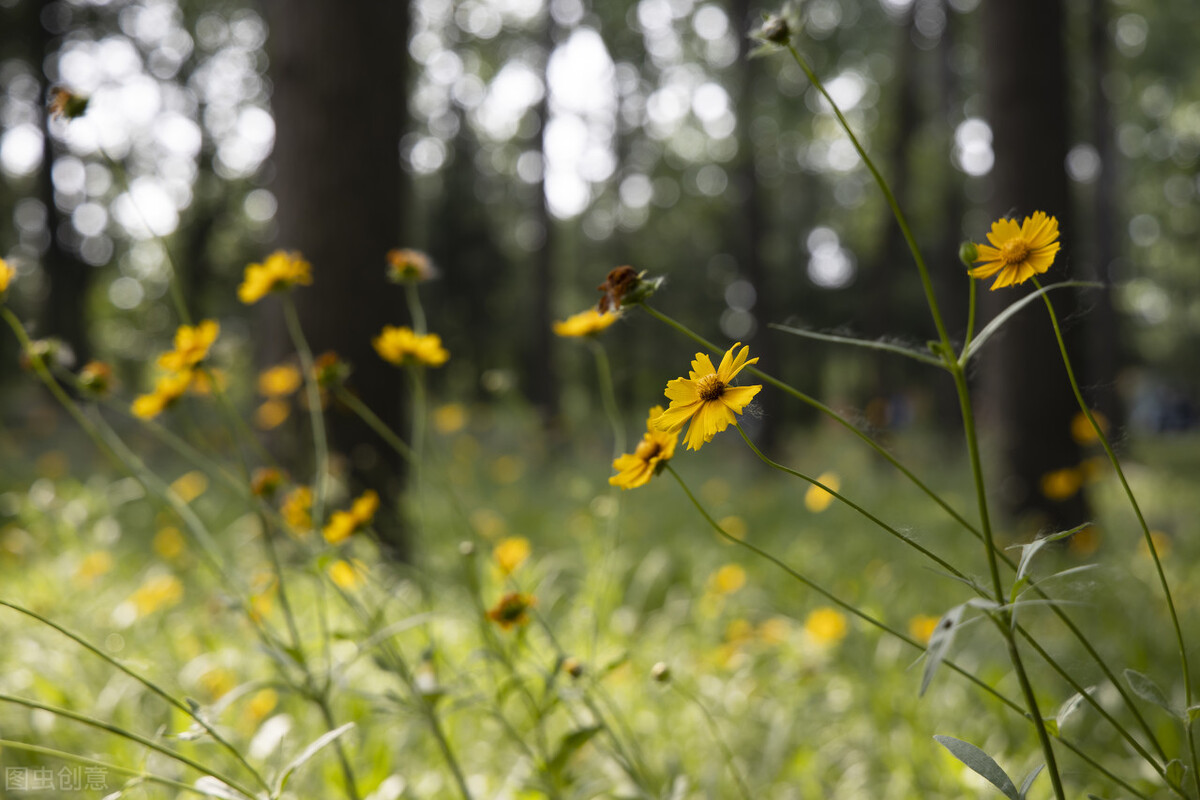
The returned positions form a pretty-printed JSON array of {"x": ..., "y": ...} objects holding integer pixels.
[
  {"x": 647, "y": 449},
  {"x": 710, "y": 387},
  {"x": 1014, "y": 251}
]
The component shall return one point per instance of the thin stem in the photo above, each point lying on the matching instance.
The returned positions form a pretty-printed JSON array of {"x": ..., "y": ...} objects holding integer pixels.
[
  {"x": 608, "y": 396},
  {"x": 415, "y": 311},
  {"x": 130, "y": 735},
  {"x": 320, "y": 443},
  {"x": 612, "y": 541},
  {"x": 715, "y": 730},
  {"x": 971, "y": 304},
  {"x": 375, "y": 423},
  {"x": 926, "y": 283},
  {"x": 1146, "y": 537},
  {"x": 343, "y": 759}
]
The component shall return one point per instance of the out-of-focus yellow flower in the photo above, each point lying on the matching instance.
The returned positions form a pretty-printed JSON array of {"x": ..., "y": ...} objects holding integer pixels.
[
  {"x": 734, "y": 525},
  {"x": 585, "y": 323},
  {"x": 1083, "y": 432},
  {"x": 279, "y": 381},
  {"x": 825, "y": 625},
  {"x": 509, "y": 553},
  {"x": 1092, "y": 469},
  {"x": 487, "y": 523},
  {"x": 167, "y": 390},
  {"x": 648, "y": 458},
  {"x": 96, "y": 377},
  {"x": 1061, "y": 484},
  {"x": 400, "y": 346},
  {"x": 93, "y": 565},
  {"x": 344, "y": 524},
  {"x": 271, "y": 414},
  {"x": 1018, "y": 252},
  {"x": 266, "y": 481},
  {"x": 262, "y": 703},
  {"x": 1086, "y": 542},
  {"x": 450, "y": 418},
  {"x": 728, "y": 579},
  {"x": 207, "y": 380},
  {"x": 921, "y": 627},
  {"x": 1162, "y": 544},
  {"x": 281, "y": 270},
  {"x": 706, "y": 399},
  {"x": 217, "y": 682},
  {"x": 169, "y": 542},
  {"x": 192, "y": 344},
  {"x": 159, "y": 591},
  {"x": 512, "y": 610},
  {"x": 409, "y": 265},
  {"x": 297, "y": 509},
  {"x": 190, "y": 485},
  {"x": 348, "y": 575},
  {"x": 775, "y": 630},
  {"x": 817, "y": 499},
  {"x": 7, "y": 273}
]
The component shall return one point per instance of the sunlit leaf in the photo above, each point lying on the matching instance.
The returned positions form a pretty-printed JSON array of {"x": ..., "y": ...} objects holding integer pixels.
[
  {"x": 315, "y": 747},
  {"x": 939, "y": 643},
  {"x": 1029, "y": 779},
  {"x": 981, "y": 764}
]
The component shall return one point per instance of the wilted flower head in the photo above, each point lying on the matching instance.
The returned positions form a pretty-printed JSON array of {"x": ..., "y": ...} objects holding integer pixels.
[
  {"x": 66, "y": 104},
  {"x": 512, "y": 610},
  {"x": 625, "y": 285},
  {"x": 330, "y": 370},
  {"x": 401, "y": 345},
  {"x": 281, "y": 270},
  {"x": 266, "y": 482},
  {"x": 409, "y": 265},
  {"x": 96, "y": 377}
]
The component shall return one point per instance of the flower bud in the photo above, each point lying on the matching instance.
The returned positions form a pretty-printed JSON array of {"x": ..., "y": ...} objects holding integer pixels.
[
  {"x": 968, "y": 253},
  {"x": 775, "y": 30},
  {"x": 96, "y": 377},
  {"x": 660, "y": 672},
  {"x": 572, "y": 666}
]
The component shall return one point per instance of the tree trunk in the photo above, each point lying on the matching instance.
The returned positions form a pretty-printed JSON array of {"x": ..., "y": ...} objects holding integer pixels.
[
  {"x": 1029, "y": 400},
  {"x": 339, "y": 75}
]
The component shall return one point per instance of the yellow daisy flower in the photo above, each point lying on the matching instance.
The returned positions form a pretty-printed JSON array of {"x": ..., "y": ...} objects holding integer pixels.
[
  {"x": 297, "y": 509},
  {"x": 511, "y": 610},
  {"x": 585, "y": 323},
  {"x": 1018, "y": 252},
  {"x": 817, "y": 499},
  {"x": 826, "y": 625},
  {"x": 192, "y": 344},
  {"x": 344, "y": 524},
  {"x": 706, "y": 399},
  {"x": 402, "y": 345},
  {"x": 7, "y": 273},
  {"x": 653, "y": 452},
  {"x": 280, "y": 270},
  {"x": 510, "y": 552},
  {"x": 279, "y": 381},
  {"x": 167, "y": 389}
]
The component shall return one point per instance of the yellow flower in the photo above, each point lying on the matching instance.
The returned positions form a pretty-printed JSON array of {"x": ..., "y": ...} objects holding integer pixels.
[
  {"x": 728, "y": 579},
  {"x": 6, "y": 275},
  {"x": 512, "y": 609},
  {"x": 706, "y": 398},
  {"x": 344, "y": 524},
  {"x": 167, "y": 389},
  {"x": 817, "y": 499},
  {"x": 826, "y": 625},
  {"x": 96, "y": 377},
  {"x": 1162, "y": 544},
  {"x": 921, "y": 627},
  {"x": 585, "y": 323},
  {"x": 1061, "y": 483},
  {"x": 774, "y": 630},
  {"x": 157, "y": 592},
  {"x": 510, "y": 552},
  {"x": 297, "y": 509},
  {"x": 409, "y": 265},
  {"x": 401, "y": 346},
  {"x": 281, "y": 270},
  {"x": 1018, "y": 252},
  {"x": 94, "y": 565},
  {"x": 653, "y": 452},
  {"x": 271, "y": 414},
  {"x": 266, "y": 481},
  {"x": 279, "y": 381},
  {"x": 347, "y": 575},
  {"x": 191, "y": 346},
  {"x": 190, "y": 485},
  {"x": 1083, "y": 432},
  {"x": 449, "y": 418},
  {"x": 169, "y": 542},
  {"x": 261, "y": 704}
]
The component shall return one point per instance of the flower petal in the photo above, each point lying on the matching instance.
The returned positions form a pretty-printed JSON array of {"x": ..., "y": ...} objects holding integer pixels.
[
  {"x": 1002, "y": 230},
  {"x": 701, "y": 366},
  {"x": 737, "y": 398},
  {"x": 676, "y": 416}
]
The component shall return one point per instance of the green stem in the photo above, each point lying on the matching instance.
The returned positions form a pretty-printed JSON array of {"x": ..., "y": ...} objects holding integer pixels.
[
  {"x": 320, "y": 443},
  {"x": 1146, "y": 537},
  {"x": 608, "y": 396},
  {"x": 153, "y": 687},
  {"x": 715, "y": 730},
  {"x": 415, "y": 311},
  {"x": 926, "y": 283},
  {"x": 971, "y": 304},
  {"x": 343, "y": 759},
  {"x": 375, "y": 423},
  {"x": 130, "y": 735}
]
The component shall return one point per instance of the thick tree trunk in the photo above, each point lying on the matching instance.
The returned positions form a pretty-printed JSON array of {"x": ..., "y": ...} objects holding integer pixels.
[
  {"x": 339, "y": 101},
  {"x": 1027, "y": 395}
]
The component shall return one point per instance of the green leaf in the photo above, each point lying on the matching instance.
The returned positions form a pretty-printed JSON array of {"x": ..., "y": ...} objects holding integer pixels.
[
  {"x": 212, "y": 787},
  {"x": 870, "y": 344},
  {"x": 570, "y": 744},
  {"x": 981, "y": 764},
  {"x": 1192, "y": 713},
  {"x": 1029, "y": 779},
  {"x": 1176, "y": 772},
  {"x": 939, "y": 643},
  {"x": 1051, "y": 726},
  {"x": 317, "y": 745},
  {"x": 1068, "y": 708},
  {"x": 1145, "y": 687},
  {"x": 1008, "y": 313}
]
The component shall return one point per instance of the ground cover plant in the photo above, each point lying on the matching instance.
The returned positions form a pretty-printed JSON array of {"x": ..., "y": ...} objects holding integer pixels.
[{"x": 658, "y": 609}]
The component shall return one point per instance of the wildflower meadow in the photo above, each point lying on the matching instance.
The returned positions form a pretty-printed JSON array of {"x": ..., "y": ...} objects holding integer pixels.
[{"x": 299, "y": 528}]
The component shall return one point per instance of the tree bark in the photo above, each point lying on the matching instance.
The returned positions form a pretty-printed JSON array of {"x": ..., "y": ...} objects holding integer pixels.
[
  {"x": 1028, "y": 398},
  {"x": 339, "y": 75}
]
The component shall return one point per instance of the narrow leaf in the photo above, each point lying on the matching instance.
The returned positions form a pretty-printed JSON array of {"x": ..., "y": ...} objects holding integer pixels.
[
  {"x": 870, "y": 344},
  {"x": 1176, "y": 772},
  {"x": 1192, "y": 713},
  {"x": 1028, "y": 551},
  {"x": 939, "y": 643},
  {"x": 1068, "y": 708},
  {"x": 571, "y": 743},
  {"x": 214, "y": 788},
  {"x": 1029, "y": 779},
  {"x": 317, "y": 745},
  {"x": 1145, "y": 687},
  {"x": 1008, "y": 313},
  {"x": 981, "y": 764}
]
